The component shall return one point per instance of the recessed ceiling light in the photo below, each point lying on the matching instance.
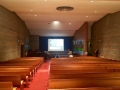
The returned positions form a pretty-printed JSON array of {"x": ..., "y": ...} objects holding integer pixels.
[
  {"x": 56, "y": 22},
  {"x": 86, "y": 16},
  {"x": 35, "y": 15},
  {"x": 95, "y": 11},
  {"x": 69, "y": 23},
  {"x": 31, "y": 10},
  {"x": 91, "y": 1},
  {"x": 45, "y": 0}
]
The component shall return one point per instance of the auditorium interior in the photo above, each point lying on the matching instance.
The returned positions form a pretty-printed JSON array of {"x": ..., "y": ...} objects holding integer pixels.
[{"x": 59, "y": 44}]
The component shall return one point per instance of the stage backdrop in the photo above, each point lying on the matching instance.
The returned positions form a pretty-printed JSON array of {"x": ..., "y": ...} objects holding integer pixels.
[{"x": 43, "y": 43}]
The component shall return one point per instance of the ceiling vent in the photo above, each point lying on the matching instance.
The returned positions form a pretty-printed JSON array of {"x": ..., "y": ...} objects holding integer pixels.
[{"x": 64, "y": 8}]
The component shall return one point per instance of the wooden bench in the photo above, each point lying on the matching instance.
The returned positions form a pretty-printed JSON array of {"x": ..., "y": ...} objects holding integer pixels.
[
  {"x": 31, "y": 58},
  {"x": 24, "y": 70},
  {"x": 81, "y": 57},
  {"x": 15, "y": 79},
  {"x": 86, "y": 64},
  {"x": 83, "y": 71},
  {"x": 23, "y": 74},
  {"x": 83, "y": 83},
  {"x": 20, "y": 63},
  {"x": 80, "y": 67},
  {"x": 20, "y": 69},
  {"x": 32, "y": 69},
  {"x": 7, "y": 86},
  {"x": 91, "y": 88},
  {"x": 84, "y": 75},
  {"x": 83, "y": 62}
]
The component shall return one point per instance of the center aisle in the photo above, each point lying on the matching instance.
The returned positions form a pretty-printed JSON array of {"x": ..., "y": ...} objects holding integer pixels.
[{"x": 40, "y": 81}]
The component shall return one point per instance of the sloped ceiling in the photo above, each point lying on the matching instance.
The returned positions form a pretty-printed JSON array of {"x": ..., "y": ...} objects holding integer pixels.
[{"x": 40, "y": 15}]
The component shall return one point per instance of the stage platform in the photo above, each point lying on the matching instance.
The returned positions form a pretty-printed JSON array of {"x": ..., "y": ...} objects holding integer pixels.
[{"x": 59, "y": 53}]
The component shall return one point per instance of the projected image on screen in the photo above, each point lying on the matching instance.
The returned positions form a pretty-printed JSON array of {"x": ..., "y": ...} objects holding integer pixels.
[{"x": 55, "y": 45}]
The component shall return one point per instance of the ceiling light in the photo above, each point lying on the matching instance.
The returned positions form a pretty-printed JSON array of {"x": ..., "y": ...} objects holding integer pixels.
[
  {"x": 91, "y": 1},
  {"x": 56, "y": 22},
  {"x": 95, "y": 11},
  {"x": 69, "y": 23},
  {"x": 86, "y": 16},
  {"x": 31, "y": 10},
  {"x": 35, "y": 15},
  {"x": 64, "y": 8},
  {"x": 45, "y": 0}
]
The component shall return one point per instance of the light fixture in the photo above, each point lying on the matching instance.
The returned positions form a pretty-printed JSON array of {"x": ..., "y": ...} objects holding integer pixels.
[
  {"x": 35, "y": 15},
  {"x": 31, "y": 10},
  {"x": 69, "y": 23},
  {"x": 86, "y": 16},
  {"x": 91, "y": 1},
  {"x": 56, "y": 22},
  {"x": 64, "y": 8},
  {"x": 95, "y": 11}
]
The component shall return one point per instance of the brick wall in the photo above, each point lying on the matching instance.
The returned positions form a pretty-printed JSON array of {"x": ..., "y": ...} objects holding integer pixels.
[
  {"x": 13, "y": 33},
  {"x": 82, "y": 34},
  {"x": 105, "y": 35},
  {"x": 34, "y": 42}
]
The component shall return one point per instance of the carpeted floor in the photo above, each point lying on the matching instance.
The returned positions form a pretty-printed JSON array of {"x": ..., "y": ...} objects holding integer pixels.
[{"x": 40, "y": 81}]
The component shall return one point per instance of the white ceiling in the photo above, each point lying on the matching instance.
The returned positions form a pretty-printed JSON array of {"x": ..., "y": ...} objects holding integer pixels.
[{"x": 43, "y": 23}]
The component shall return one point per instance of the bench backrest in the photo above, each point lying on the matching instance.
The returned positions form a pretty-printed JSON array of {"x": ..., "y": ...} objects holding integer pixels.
[
  {"x": 6, "y": 85},
  {"x": 82, "y": 83}
]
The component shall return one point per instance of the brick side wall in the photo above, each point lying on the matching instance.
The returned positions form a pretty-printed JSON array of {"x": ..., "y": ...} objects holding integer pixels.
[
  {"x": 105, "y": 35},
  {"x": 82, "y": 34},
  {"x": 13, "y": 33}
]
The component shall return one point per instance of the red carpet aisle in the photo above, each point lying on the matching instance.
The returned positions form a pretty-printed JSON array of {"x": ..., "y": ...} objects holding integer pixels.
[{"x": 40, "y": 81}]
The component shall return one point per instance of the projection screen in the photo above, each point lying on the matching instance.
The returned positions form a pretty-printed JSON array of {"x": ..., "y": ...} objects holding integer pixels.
[{"x": 55, "y": 44}]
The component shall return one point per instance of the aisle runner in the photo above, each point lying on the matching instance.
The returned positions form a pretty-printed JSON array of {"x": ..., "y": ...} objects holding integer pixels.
[{"x": 40, "y": 81}]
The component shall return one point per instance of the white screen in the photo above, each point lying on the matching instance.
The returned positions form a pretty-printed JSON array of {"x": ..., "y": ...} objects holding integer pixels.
[{"x": 55, "y": 44}]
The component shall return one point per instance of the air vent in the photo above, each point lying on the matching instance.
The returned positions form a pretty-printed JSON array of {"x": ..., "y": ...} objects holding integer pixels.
[{"x": 64, "y": 8}]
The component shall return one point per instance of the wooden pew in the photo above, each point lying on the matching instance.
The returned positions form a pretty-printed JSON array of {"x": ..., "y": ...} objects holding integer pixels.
[
  {"x": 83, "y": 62},
  {"x": 32, "y": 69},
  {"x": 22, "y": 63},
  {"x": 83, "y": 83},
  {"x": 31, "y": 58},
  {"x": 80, "y": 67},
  {"x": 84, "y": 75},
  {"x": 7, "y": 86},
  {"x": 22, "y": 67},
  {"x": 83, "y": 71},
  {"x": 24, "y": 70},
  {"x": 91, "y": 88},
  {"x": 23, "y": 74},
  {"x": 80, "y": 72},
  {"x": 15, "y": 79},
  {"x": 81, "y": 57}
]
